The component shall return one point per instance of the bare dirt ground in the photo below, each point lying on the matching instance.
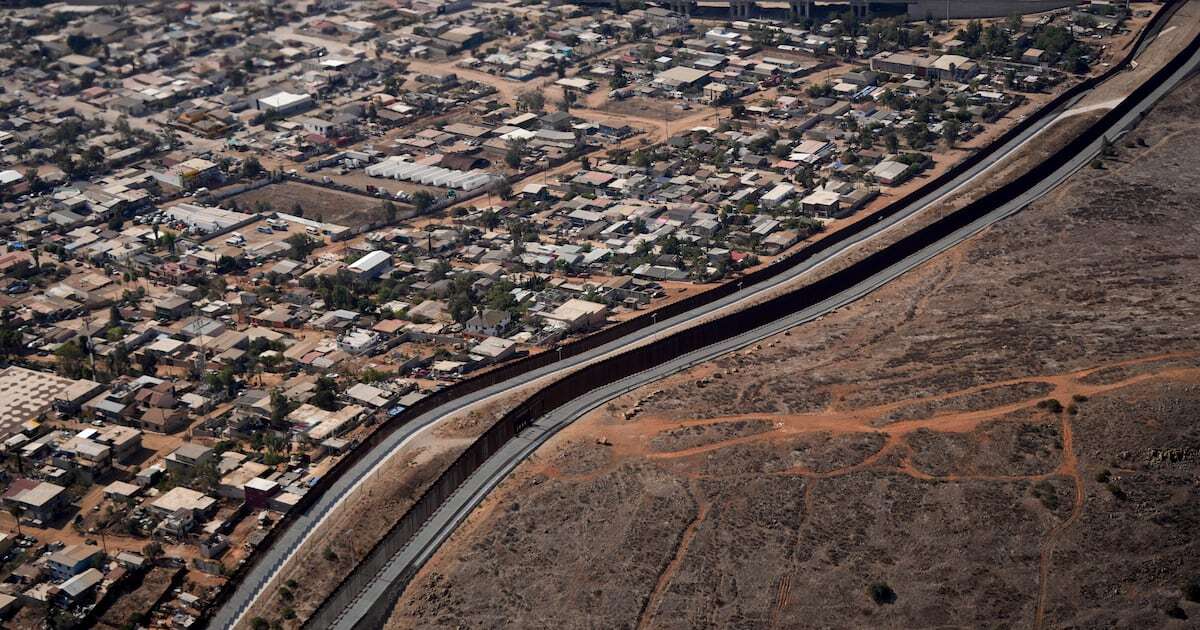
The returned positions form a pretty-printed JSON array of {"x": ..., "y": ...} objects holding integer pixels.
[
  {"x": 638, "y": 106},
  {"x": 319, "y": 204},
  {"x": 1004, "y": 437}
]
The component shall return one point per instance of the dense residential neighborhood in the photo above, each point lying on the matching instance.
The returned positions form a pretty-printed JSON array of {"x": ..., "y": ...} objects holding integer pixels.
[{"x": 235, "y": 237}]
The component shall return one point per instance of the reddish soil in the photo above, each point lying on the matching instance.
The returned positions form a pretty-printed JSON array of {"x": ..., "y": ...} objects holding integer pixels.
[{"x": 1004, "y": 437}]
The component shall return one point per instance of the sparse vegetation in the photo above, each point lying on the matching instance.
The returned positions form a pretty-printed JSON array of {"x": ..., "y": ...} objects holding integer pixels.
[{"x": 1044, "y": 491}]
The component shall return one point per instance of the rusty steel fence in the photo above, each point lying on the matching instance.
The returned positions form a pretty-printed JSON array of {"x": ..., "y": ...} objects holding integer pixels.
[{"x": 638, "y": 359}]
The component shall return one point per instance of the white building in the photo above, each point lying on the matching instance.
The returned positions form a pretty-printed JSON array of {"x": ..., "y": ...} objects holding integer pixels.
[
  {"x": 777, "y": 195},
  {"x": 371, "y": 265},
  {"x": 284, "y": 102},
  {"x": 576, "y": 314}
]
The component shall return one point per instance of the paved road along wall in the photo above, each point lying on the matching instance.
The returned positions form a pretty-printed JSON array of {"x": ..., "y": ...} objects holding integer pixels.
[{"x": 645, "y": 357}]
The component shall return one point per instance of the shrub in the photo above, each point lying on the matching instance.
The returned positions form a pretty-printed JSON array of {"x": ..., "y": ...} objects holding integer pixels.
[
  {"x": 882, "y": 593},
  {"x": 1045, "y": 492},
  {"x": 258, "y": 623},
  {"x": 1051, "y": 404}
]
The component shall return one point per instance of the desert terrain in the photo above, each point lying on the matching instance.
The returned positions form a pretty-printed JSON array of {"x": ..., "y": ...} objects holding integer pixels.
[{"x": 1004, "y": 438}]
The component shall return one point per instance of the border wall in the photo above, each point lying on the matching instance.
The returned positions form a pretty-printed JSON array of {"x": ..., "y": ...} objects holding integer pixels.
[{"x": 647, "y": 356}]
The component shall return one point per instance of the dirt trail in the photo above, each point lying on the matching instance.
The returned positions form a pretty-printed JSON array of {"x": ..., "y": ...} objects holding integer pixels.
[
  {"x": 633, "y": 439},
  {"x": 928, "y": 478},
  {"x": 1070, "y": 468},
  {"x": 664, "y": 580}
]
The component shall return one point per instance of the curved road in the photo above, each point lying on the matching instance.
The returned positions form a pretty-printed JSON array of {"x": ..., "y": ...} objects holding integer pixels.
[
  {"x": 452, "y": 513},
  {"x": 265, "y": 570}
]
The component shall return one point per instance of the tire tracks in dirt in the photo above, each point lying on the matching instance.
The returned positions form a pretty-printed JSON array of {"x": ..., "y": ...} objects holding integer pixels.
[{"x": 1070, "y": 468}]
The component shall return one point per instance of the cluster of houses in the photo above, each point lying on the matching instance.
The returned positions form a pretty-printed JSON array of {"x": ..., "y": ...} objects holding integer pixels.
[{"x": 234, "y": 238}]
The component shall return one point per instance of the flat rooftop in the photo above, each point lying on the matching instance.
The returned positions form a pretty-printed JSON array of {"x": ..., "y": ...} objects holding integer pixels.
[{"x": 25, "y": 394}]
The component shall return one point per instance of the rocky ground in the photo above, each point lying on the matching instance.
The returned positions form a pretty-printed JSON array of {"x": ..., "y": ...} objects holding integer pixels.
[{"x": 1005, "y": 437}]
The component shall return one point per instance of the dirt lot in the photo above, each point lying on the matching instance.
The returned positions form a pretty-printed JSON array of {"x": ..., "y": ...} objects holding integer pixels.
[
  {"x": 129, "y": 607},
  {"x": 320, "y": 204},
  {"x": 1005, "y": 437},
  {"x": 639, "y": 106}
]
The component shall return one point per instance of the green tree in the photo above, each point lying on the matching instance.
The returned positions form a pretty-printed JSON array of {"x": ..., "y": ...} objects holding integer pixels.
[
  {"x": 280, "y": 407},
  {"x": 950, "y": 129},
  {"x": 153, "y": 550},
  {"x": 169, "y": 239},
  {"x": 326, "y": 393},
  {"x": 389, "y": 211},
  {"x": 11, "y": 341},
  {"x": 118, "y": 359},
  {"x": 226, "y": 264},
  {"x": 251, "y": 167},
  {"x": 422, "y": 200},
  {"x": 78, "y": 43},
  {"x": 512, "y": 154},
  {"x": 531, "y": 101},
  {"x": 462, "y": 309},
  {"x": 148, "y": 363},
  {"x": 70, "y": 359},
  {"x": 302, "y": 246},
  {"x": 224, "y": 380}
]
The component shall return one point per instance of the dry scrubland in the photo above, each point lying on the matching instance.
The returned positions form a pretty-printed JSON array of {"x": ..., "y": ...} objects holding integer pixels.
[{"x": 906, "y": 441}]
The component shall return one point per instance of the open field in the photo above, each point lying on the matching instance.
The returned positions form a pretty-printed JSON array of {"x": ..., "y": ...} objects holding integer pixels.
[
  {"x": 640, "y": 106},
  {"x": 320, "y": 204},
  {"x": 1004, "y": 438}
]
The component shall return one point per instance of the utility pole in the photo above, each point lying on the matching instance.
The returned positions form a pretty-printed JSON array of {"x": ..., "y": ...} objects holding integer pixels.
[
  {"x": 202, "y": 361},
  {"x": 87, "y": 331}
]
